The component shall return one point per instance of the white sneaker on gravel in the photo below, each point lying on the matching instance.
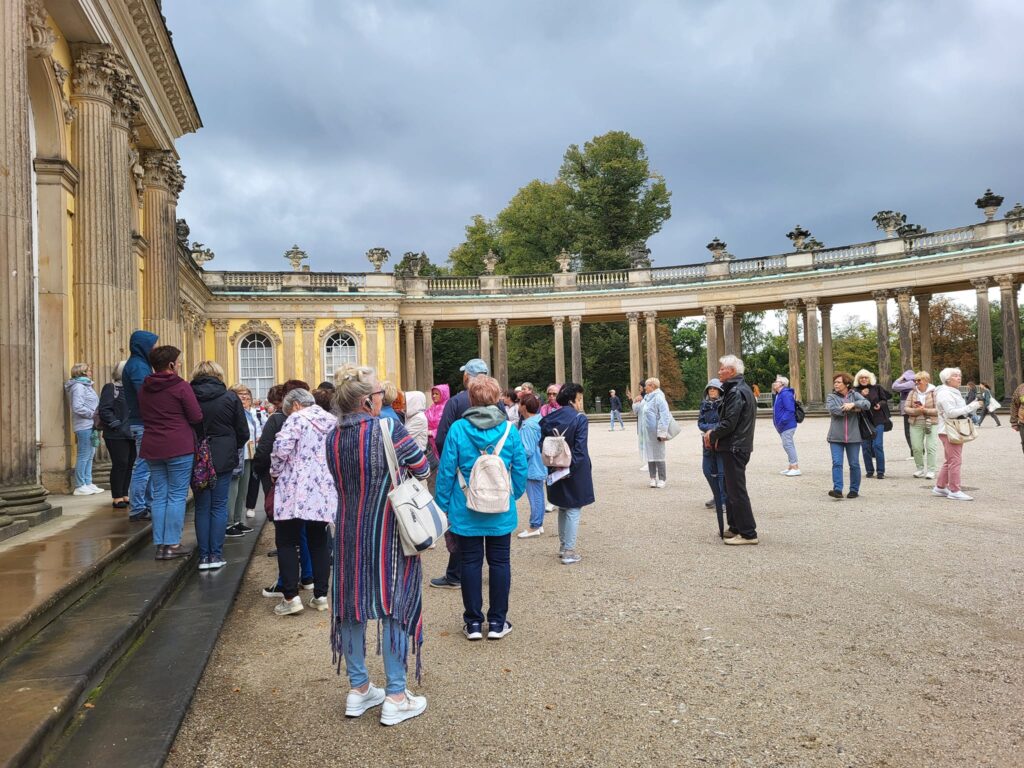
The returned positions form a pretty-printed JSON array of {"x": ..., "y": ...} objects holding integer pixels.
[
  {"x": 393, "y": 712},
  {"x": 784, "y": 472},
  {"x": 320, "y": 603},
  {"x": 940, "y": 491},
  {"x": 654, "y": 483},
  {"x": 530, "y": 533},
  {"x": 357, "y": 703},
  {"x": 793, "y": 473},
  {"x": 959, "y": 496},
  {"x": 919, "y": 473},
  {"x": 660, "y": 484},
  {"x": 930, "y": 476},
  {"x": 288, "y": 607}
]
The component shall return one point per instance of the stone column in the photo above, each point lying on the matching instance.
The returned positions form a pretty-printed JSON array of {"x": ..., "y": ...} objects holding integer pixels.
[
  {"x": 811, "y": 340},
  {"x": 427, "y": 326},
  {"x": 163, "y": 182},
  {"x": 729, "y": 328},
  {"x": 484, "y": 346},
  {"x": 986, "y": 366},
  {"x": 309, "y": 352},
  {"x": 925, "y": 330},
  {"x": 501, "y": 351},
  {"x": 711, "y": 317},
  {"x": 410, "y": 353},
  {"x": 652, "y": 343},
  {"x": 576, "y": 348},
  {"x": 221, "y": 353},
  {"x": 737, "y": 333},
  {"x": 826, "y": 344},
  {"x": 371, "y": 345},
  {"x": 559, "y": 323},
  {"x": 884, "y": 365},
  {"x": 634, "y": 353},
  {"x": 906, "y": 342},
  {"x": 793, "y": 318},
  {"x": 391, "y": 348},
  {"x": 124, "y": 265},
  {"x": 291, "y": 371},
  {"x": 1011, "y": 334},
  {"x": 20, "y": 491},
  {"x": 719, "y": 337}
]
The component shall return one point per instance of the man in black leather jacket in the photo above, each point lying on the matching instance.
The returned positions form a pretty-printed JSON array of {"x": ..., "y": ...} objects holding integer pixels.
[{"x": 733, "y": 440}]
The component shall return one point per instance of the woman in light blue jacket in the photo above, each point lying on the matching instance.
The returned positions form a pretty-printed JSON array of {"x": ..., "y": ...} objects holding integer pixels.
[
  {"x": 536, "y": 472},
  {"x": 84, "y": 401},
  {"x": 481, "y": 429},
  {"x": 653, "y": 417}
]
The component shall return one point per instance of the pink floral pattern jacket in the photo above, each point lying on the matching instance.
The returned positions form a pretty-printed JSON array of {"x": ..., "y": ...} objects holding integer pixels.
[{"x": 304, "y": 489}]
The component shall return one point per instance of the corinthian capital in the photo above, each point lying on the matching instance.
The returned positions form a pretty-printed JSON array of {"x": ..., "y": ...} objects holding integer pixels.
[
  {"x": 94, "y": 71},
  {"x": 40, "y": 36},
  {"x": 126, "y": 94},
  {"x": 162, "y": 170}
]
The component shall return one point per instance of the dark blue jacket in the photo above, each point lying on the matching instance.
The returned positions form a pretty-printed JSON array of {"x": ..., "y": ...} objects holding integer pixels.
[
  {"x": 709, "y": 414},
  {"x": 136, "y": 370},
  {"x": 452, "y": 412},
  {"x": 576, "y": 490},
  {"x": 784, "y": 410},
  {"x": 615, "y": 403}
]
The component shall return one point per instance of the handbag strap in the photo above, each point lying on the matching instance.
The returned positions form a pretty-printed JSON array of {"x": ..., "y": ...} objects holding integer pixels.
[{"x": 389, "y": 451}]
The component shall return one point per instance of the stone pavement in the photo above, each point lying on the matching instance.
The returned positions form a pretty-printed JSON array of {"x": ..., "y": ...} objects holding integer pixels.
[{"x": 884, "y": 631}]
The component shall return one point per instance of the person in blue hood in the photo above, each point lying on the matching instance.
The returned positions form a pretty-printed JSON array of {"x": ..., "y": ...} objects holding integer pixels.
[{"x": 135, "y": 372}]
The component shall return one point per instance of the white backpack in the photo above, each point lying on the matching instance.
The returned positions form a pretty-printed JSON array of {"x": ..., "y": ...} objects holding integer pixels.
[
  {"x": 555, "y": 451},
  {"x": 490, "y": 485}
]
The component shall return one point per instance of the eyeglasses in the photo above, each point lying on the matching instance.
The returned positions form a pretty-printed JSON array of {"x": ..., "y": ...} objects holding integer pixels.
[
  {"x": 552, "y": 394},
  {"x": 378, "y": 392}
]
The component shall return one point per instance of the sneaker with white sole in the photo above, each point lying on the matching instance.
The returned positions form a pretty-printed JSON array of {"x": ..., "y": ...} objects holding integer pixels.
[
  {"x": 959, "y": 496},
  {"x": 793, "y": 473},
  {"x": 393, "y": 712},
  {"x": 570, "y": 557},
  {"x": 95, "y": 488},
  {"x": 217, "y": 562},
  {"x": 288, "y": 607},
  {"x": 357, "y": 703},
  {"x": 250, "y": 513},
  {"x": 82, "y": 490},
  {"x": 654, "y": 483},
  {"x": 530, "y": 533},
  {"x": 552, "y": 507},
  {"x": 930, "y": 476},
  {"x": 739, "y": 540},
  {"x": 940, "y": 491},
  {"x": 204, "y": 562},
  {"x": 472, "y": 631},
  {"x": 919, "y": 473},
  {"x": 319, "y": 603},
  {"x": 498, "y": 631},
  {"x": 273, "y": 590},
  {"x": 660, "y": 484}
]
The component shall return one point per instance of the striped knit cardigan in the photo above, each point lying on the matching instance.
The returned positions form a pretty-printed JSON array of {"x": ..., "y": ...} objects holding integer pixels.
[{"x": 372, "y": 576}]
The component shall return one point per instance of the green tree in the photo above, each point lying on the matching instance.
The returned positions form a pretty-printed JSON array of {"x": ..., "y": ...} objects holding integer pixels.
[
  {"x": 535, "y": 226},
  {"x": 467, "y": 258}
]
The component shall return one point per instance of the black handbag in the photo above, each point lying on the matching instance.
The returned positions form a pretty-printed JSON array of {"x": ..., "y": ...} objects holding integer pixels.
[{"x": 867, "y": 426}]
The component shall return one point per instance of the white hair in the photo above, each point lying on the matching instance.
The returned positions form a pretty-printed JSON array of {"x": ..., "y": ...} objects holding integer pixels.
[
  {"x": 945, "y": 373},
  {"x": 731, "y": 361},
  {"x": 782, "y": 380},
  {"x": 865, "y": 372},
  {"x": 300, "y": 396}
]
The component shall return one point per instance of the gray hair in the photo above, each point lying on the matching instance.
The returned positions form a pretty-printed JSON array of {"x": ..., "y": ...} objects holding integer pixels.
[
  {"x": 945, "y": 373},
  {"x": 352, "y": 385},
  {"x": 299, "y": 396},
  {"x": 731, "y": 361},
  {"x": 782, "y": 380},
  {"x": 656, "y": 383},
  {"x": 79, "y": 369},
  {"x": 115, "y": 375}
]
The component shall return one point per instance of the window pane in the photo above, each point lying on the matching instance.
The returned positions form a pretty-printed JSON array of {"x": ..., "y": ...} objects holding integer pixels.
[
  {"x": 339, "y": 348},
  {"x": 256, "y": 364}
]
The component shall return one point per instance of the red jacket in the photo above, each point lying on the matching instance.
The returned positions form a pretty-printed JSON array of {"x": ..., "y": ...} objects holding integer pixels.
[{"x": 168, "y": 407}]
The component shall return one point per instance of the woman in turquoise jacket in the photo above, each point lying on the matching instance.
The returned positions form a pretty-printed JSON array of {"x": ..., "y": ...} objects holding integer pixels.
[{"x": 479, "y": 430}]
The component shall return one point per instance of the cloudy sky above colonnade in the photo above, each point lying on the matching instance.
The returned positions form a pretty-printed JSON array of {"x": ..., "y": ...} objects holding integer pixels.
[{"x": 343, "y": 126}]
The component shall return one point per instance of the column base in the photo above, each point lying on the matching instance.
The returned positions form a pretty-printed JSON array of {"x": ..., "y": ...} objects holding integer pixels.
[{"x": 27, "y": 499}]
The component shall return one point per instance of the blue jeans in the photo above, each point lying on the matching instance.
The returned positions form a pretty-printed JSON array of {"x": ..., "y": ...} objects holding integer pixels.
[
  {"x": 714, "y": 471},
  {"x": 394, "y": 648},
  {"x": 169, "y": 479},
  {"x": 212, "y": 518},
  {"x": 617, "y": 416},
  {"x": 83, "y": 457},
  {"x": 874, "y": 452},
  {"x": 499, "y": 572},
  {"x": 535, "y": 493},
  {"x": 141, "y": 489},
  {"x": 852, "y": 451},
  {"x": 789, "y": 444},
  {"x": 568, "y": 523}
]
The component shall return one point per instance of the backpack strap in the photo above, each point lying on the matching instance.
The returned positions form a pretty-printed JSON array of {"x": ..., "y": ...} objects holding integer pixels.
[{"x": 504, "y": 437}]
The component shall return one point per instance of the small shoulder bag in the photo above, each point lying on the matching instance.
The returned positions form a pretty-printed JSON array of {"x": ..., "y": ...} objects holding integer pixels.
[{"x": 420, "y": 521}]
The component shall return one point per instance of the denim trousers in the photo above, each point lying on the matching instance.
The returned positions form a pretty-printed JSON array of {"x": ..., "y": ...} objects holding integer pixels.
[
  {"x": 237, "y": 494},
  {"x": 714, "y": 471},
  {"x": 852, "y": 452},
  {"x": 874, "y": 452},
  {"x": 212, "y": 518},
  {"x": 394, "y": 645},
  {"x": 789, "y": 444},
  {"x": 169, "y": 478},
  {"x": 141, "y": 489},
  {"x": 499, "y": 574},
  {"x": 616, "y": 416},
  {"x": 535, "y": 494},
  {"x": 289, "y": 536},
  {"x": 83, "y": 457},
  {"x": 568, "y": 524}
]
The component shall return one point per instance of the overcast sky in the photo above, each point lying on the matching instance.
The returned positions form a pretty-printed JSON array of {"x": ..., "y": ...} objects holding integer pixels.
[{"x": 341, "y": 126}]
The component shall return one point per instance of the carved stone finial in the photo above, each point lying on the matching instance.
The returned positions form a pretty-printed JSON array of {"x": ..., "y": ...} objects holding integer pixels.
[
  {"x": 889, "y": 221},
  {"x": 798, "y": 234},
  {"x": 200, "y": 253},
  {"x": 989, "y": 203},
  {"x": 564, "y": 259},
  {"x": 490, "y": 261},
  {"x": 812, "y": 244},
  {"x": 412, "y": 264},
  {"x": 40, "y": 37},
  {"x": 296, "y": 256},
  {"x": 1017, "y": 212},
  {"x": 718, "y": 252},
  {"x": 639, "y": 255},
  {"x": 377, "y": 256}
]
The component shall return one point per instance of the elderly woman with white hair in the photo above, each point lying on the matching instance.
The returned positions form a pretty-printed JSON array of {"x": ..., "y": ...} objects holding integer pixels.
[
  {"x": 653, "y": 418},
  {"x": 950, "y": 404},
  {"x": 874, "y": 449}
]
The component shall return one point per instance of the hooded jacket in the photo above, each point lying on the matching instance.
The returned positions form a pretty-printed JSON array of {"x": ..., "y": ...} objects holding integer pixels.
[
  {"x": 223, "y": 421},
  {"x": 735, "y": 430},
  {"x": 84, "y": 400},
  {"x": 136, "y": 369},
  {"x": 576, "y": 490},
  {"x": 305, "y": 489},
  {"x": 453, "y": 411},
  {"x": 169, "y": 410},
  {"x": 479, "y": 429},
  {"x": 784, "y": 410},
  {"x": 416, "y": 418},
  {"x": 710, "y": 410},
  {"x": 529, "y": 431},
  {"x": 904, "y": 385},
  {"x": 434, "y": 412}
]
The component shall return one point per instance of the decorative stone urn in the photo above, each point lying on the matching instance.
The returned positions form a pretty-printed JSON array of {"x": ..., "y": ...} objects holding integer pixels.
[
  {"x": 200, "y": 254},
  {"x": 639, "y": 256},
  {"x": 490, "y": 261},
  {"x": 798, "y": 234},
  {"x": 1017, "y": 212},
  {"x": 377, "y": 257},
  {"x": 812, "y": 244},
  {"x": 889, "y": 221},
  {"x": 564, "y": 259},
  {"x": 718, "y": 252},
  {"x": 295, "y": 256},
  {"x": 989, "y": 203}
]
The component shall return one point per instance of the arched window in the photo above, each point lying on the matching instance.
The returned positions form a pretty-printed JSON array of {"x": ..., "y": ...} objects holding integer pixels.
[
  {"x": 339, "y": 348},
  {"x": 256, "y": 364}
]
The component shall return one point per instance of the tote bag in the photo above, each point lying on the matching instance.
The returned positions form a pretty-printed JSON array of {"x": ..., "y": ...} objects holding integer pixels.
[
  {"x": 960, "y": 430},
  {"x": 420, "y": 521}
]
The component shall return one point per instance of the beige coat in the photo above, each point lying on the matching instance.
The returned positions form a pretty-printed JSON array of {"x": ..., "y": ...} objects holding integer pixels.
[{"x": 931, "y": 415}]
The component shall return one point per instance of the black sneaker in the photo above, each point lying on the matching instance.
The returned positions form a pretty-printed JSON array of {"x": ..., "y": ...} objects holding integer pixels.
[
  {"x": 442, "y": 583},
  {"x": 881, "y": 476},
  {"x": 835, "y": 494},
  {"x": 143, "y": 514},
  {"x": 472, "y": 631},
  {"x": 233, "y": 532},
  {"x": 274, "y": 590},
  {"x": 852, "y": 495},
  {"x": 243, "y": 528}
]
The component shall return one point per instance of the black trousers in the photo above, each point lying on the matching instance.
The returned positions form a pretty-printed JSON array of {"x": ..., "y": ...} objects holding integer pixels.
[
  {"x": 122, "y": 459},
  {"x": 906, "y": 432},
  {"x": 252, "y": 493},
  {"x": 738, "y": 511},
  {"x": 286, "y": 535}
]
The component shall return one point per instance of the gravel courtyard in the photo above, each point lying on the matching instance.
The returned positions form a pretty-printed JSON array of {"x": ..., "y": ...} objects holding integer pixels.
[{"x": 882, "y": 631}]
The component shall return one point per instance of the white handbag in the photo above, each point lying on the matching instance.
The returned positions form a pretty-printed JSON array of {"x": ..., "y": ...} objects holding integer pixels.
[
  {"x": 674, "y": 427},
  {"x": 993, "y": 405},
  {"x": 420, "y": 521}
]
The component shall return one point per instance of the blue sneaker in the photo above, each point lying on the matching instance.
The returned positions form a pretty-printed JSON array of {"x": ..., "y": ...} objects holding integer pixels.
[
  {"x": 498, "y": 631},
  {"x": 204, "y": 563},
  {"x": 472, "y": 631}
]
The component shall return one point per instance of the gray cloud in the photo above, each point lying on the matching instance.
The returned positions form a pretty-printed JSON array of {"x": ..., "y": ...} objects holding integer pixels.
[{"x": 341, "y": 126}]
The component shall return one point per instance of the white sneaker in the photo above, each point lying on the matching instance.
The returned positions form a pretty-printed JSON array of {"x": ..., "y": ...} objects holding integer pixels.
[
  {"x": 550, "y": 508},
  {"x": 393, "y": 712},
  {"x": 320, "y": 603},
  {"x": 357, "y": 703},
  {"x": 654, "y": 483},
  {"x": 288, "y": 607},
  {"x": 930, "y": 475},
  {"x": 784, "y": 472},
  {"x": 793, "y": 473},
  {"x": 528, "y": 534},
  {"x": 250, "y": 513},
  {"x": 82, "y": 490},
  {"x": 940, "y": 491},
  {"x": 919, "y": 473},
  {"x": 661, "y": 484},
  {"x": 959, "y": 496},
  {"x": 909, "y": 458},
  {"x": 95, "y": 488}
]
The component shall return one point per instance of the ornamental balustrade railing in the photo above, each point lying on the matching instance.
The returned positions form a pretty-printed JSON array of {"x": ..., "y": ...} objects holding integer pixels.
[{"x": 995, "y": 232}]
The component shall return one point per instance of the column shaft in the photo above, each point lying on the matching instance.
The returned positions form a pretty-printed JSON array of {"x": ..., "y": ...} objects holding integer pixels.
[
  {"x": 501, "y": 351},
  {"x": 577, "y": 351},
  {"x": 1011, "y": 334},
  {"x": 428, "y": 355},
  {"x": 410, "y": 354},
  {"x": 719, "y": 337},
  {"x": 163, "y": 183},
  {"x": 634, "y": 353},
  {"x": 826, "y": 344},
  {"x": 652, "y": 343},
  {"x": 814, "y": 394},
  {"x": 793, "y": 313},
  {"x": 986, "y": 365},
  {"x": 884, "y": 364},
  {"x": 711, "y": 319},
  {"x": 737, "y": 333},
  {"x": 905, "y": 318},
  {"x": 729, "y": 328},
  {"x": 484, "y": 346},
  {"x": 559, "y": 323},
  {"x": 924, "y": 322}
]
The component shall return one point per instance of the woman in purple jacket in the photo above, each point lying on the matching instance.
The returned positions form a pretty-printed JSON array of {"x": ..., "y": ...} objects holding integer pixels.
[{"x": 169, "y": 411}]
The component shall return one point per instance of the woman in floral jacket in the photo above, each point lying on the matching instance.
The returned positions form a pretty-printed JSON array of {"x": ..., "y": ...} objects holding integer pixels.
[{"x": 305, "y": 497}]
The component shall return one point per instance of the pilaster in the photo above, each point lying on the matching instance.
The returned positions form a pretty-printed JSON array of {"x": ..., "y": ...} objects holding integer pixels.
[
  {"x": 291, "y": 370},
  {"x": 372, "y": 357},
  {"x": 309, "y": 352},
  {"x": 391, "y": 348},
  {"x": 220, "y": 343}
]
